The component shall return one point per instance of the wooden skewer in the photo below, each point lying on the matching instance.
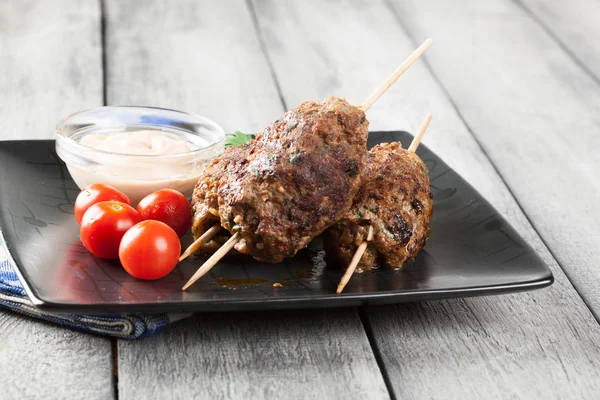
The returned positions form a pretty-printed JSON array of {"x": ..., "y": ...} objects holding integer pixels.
[
  {"x": 213, "y": 260},
  {"x": 395, "y": 75},
  {"x": 415, "y": 143},
  {"x": 355, "y": 260},
  {"x": 363, "y": 246},
  {"x": 206, "y": 236}
]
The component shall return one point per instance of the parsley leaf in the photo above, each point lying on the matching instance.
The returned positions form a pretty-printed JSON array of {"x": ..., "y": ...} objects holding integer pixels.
[{"x": 237, "y": 139}]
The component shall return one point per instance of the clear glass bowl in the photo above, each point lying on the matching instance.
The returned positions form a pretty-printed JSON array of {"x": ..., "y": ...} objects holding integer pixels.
[{"x": 138, "y": 175}]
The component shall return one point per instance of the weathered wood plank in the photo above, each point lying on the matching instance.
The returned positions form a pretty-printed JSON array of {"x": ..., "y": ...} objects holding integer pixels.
[
  {"x": 50, "y": 63},
  {"x": 293, "y": 355},
  {"x": 41, "y": 361},
  {"x": 196, "y": 56},
  {"x": 538, "y": 344},
  {"x": 151, "y": 60},
  {"x": 535, "y": 113},
  {"x": 574, "y": 24}
]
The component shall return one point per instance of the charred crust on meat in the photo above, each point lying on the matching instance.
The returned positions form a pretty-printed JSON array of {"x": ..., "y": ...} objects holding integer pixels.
[
  {"x": 417, "y": 206},
  {"x": 399, "y": 228},
  {"x": 375, "y": 196},
  {"x": 352, "y": 169}
]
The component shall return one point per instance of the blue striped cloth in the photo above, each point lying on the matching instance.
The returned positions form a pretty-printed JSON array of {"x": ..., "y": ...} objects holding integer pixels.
[{"x": 126, "y": 326}]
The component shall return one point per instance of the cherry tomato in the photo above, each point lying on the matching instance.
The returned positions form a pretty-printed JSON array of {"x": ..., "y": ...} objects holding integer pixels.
[
  {"x": 104, "y": 224},
  {"x": 150, "y": 250},
  {"x": 95, "y": 193},
  {"x": 168, "y": 206}
]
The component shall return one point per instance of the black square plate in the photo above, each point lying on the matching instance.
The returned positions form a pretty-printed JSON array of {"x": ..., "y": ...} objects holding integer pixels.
[{"x": 472, "y": 251}]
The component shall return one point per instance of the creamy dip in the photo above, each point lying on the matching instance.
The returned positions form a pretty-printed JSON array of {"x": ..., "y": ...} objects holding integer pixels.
[
  {"x": 143, "y": 142},
  {"x": 131, "y": 162}
]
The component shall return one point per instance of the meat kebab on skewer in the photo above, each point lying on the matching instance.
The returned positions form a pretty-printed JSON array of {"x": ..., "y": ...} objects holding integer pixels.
[
  {"x": 389, "y": 221},
  {"x": 286, "y": 186},
  {"x": 289, "y": 184}
]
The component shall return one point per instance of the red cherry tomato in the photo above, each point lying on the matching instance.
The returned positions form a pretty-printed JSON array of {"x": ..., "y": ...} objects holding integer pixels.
[
  {"x": 168, "y": 206},
  {"x": 95, "y": 193},
  {"x": 104, "y": 224},
  {"x": 149, "y": 250}
]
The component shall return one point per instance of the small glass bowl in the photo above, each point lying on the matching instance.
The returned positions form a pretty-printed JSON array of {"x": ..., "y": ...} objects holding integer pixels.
[{"x": 134, "y": 174}]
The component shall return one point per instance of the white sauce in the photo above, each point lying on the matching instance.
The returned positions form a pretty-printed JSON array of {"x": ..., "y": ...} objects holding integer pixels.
[
  {"x": 130, "y": 170},
  {"x": 143, "y": 142}
]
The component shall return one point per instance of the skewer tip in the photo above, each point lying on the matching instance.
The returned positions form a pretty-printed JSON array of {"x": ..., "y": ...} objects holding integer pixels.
[
  {"x": 422, "y": 129},
  {"x": 213, "y": 260},
  {"x": 354, "y": 263},
  {"x": 369, "y": 101}
]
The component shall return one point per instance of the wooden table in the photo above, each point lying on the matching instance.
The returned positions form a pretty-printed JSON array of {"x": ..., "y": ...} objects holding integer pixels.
[{"x": 514, "y": 87}]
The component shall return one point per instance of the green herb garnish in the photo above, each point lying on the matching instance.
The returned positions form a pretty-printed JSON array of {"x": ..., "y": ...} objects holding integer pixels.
[
  {"x": 227, "y": 219},
  {"x": 237, "y": 139}
]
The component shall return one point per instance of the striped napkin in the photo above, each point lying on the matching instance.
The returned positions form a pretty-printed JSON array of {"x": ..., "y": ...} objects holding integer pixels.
[{"x": 126, "y": 326}]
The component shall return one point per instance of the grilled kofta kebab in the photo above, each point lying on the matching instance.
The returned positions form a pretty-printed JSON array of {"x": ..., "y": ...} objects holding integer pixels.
[
  {"x": 393, "y": 205},
  {"x": 390, "y": 218},
  {"x": 395, "y": 199},
  {"x": 403, "y": 215},
  {"x": 289, "y": 184},
  {"x": 344, "y": 237},
  {"x": 382, "y": 230},
  {"x": 292, "y": 182}
]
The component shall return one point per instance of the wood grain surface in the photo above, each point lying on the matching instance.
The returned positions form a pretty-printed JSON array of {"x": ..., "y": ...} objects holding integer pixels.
[
  {"x": 43, "y": 361},
  {"x": 283, "y": 354},
  {"x": 574, "y": 24},
  {"x": 50, "y": 63},
  {"x": 518, "y": 346},
  {"x": 535, "y": 113},
  {"x": 291, "y": 355},
  {"x": 201, "y": 57}
]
